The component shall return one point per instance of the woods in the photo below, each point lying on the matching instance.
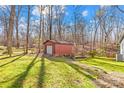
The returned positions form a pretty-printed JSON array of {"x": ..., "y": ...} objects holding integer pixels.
[
  {"x": 29, "y": 26},
  {"x": 61, "y": 46}
]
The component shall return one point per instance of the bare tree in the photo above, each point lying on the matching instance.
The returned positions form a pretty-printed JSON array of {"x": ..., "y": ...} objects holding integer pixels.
[
  {"x": 40, "y": 30},
  {"x": 50, "y": 22},
  {"x": 10, "y": 33},
  {"x": 28, "y": 29},
  {"x": 17, "y": 20}
]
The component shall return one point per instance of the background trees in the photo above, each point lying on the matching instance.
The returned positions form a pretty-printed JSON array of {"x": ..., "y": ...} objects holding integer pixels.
[{"x": 29, "y": 26}]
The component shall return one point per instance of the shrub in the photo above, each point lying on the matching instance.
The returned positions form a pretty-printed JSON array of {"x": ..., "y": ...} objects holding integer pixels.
[
  {"x": 5, "y": 52},
  {"x": 1, "y": 49},
  {"x": 92, "y": 53}
]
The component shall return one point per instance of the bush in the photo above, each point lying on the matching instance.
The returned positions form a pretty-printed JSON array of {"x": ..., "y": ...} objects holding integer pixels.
[
  {"x": 1, "y": 49},
  {"x": 101, "y": 52},
  {"x": 5, "y": 52},
  {"x": 92, "y": 53}
]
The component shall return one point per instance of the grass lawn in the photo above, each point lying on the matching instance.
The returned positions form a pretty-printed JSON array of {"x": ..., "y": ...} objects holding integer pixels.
[
  {"x": 32, "y": 71},
  {"x": 107, "y": 64}
]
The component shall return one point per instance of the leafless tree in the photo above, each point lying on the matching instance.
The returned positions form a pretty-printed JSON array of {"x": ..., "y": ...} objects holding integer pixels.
[
  {"x": 28, "y": 29},
  {"x": 10, "y": 32}
]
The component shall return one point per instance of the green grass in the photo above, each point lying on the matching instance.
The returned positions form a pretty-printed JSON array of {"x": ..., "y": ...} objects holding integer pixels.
[
  {"x": 32, "y": 72},
  {"x": 107, "y": 64}
]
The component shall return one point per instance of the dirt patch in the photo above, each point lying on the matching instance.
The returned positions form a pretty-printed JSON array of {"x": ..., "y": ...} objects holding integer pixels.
[
  {"x": 114, "y": 79},
  {"x": 103, "y": 79}
]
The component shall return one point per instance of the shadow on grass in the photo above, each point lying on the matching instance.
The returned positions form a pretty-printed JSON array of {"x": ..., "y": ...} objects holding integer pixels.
[
  {"x": 99, "y": 62},
  {"x": 106, "y": 59},
  {"x": 76, "y": 67},
  {"x": 10, "y": 79},
  {"x": 12, "y": 60},
  {"x": 80, "y": 70},
  {"x": 101, "y": 58},
  {"x": 11, "y": 56},
  {"x": 56, "y": 59},
  {"x": 19, "y": 81},
  {"x": 41, "y": 73}
]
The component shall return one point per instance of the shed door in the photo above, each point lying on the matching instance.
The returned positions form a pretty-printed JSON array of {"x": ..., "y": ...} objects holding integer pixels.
[{"x": 49, "y": 50}]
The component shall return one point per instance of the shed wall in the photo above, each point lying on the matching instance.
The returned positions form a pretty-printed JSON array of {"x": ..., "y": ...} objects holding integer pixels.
[{"x": 63, "y": 49}]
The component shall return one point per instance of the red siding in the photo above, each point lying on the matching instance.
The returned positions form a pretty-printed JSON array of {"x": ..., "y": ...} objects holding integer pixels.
[
  {"x": 59, "y": 49},
  {"x": 63, "y": 49}
]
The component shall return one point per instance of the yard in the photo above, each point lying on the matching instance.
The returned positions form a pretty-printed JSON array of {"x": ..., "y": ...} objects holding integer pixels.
[
  {"x": 108, "y": 64},
  {"x": 32, "y": 71}
]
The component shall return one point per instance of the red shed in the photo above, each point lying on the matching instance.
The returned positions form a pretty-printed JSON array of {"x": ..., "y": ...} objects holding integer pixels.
[{"x": 58, "y": 48}]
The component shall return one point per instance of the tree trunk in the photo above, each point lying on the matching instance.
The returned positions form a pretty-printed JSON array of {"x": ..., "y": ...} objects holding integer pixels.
[
  {"x": 28, "y": 28},
  {"x": 39, "y": 40},
  {"x": 5, "y": 31},
  {"x": 17, "y": 18},
  {"x": 17, "y": 37},
  {"x": 59, "y": 28},
  {"x": 50, "y": 22},
  {"x": 11, "y": 27}
]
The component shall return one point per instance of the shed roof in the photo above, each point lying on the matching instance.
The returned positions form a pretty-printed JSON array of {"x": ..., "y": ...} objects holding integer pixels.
[{"x": 59, "y": 42}]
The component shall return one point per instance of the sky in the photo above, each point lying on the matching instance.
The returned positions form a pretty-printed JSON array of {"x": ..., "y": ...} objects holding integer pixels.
[{"x": 87, "y": 12}]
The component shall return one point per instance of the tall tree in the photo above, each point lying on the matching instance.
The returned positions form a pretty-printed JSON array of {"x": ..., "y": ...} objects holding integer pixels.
[
  {"x": 40, "y": 30},
  {"x": 28, "y": 28},
  {"x": 11, "y": 27},
  {"x": 17, "y": 19},
  {"x": 50, "y": 22}
]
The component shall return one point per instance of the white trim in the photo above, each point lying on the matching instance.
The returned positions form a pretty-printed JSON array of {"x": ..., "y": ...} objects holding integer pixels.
[
  {"x": 122, "y": 47},
  {"x": 49, "y": 49}
]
